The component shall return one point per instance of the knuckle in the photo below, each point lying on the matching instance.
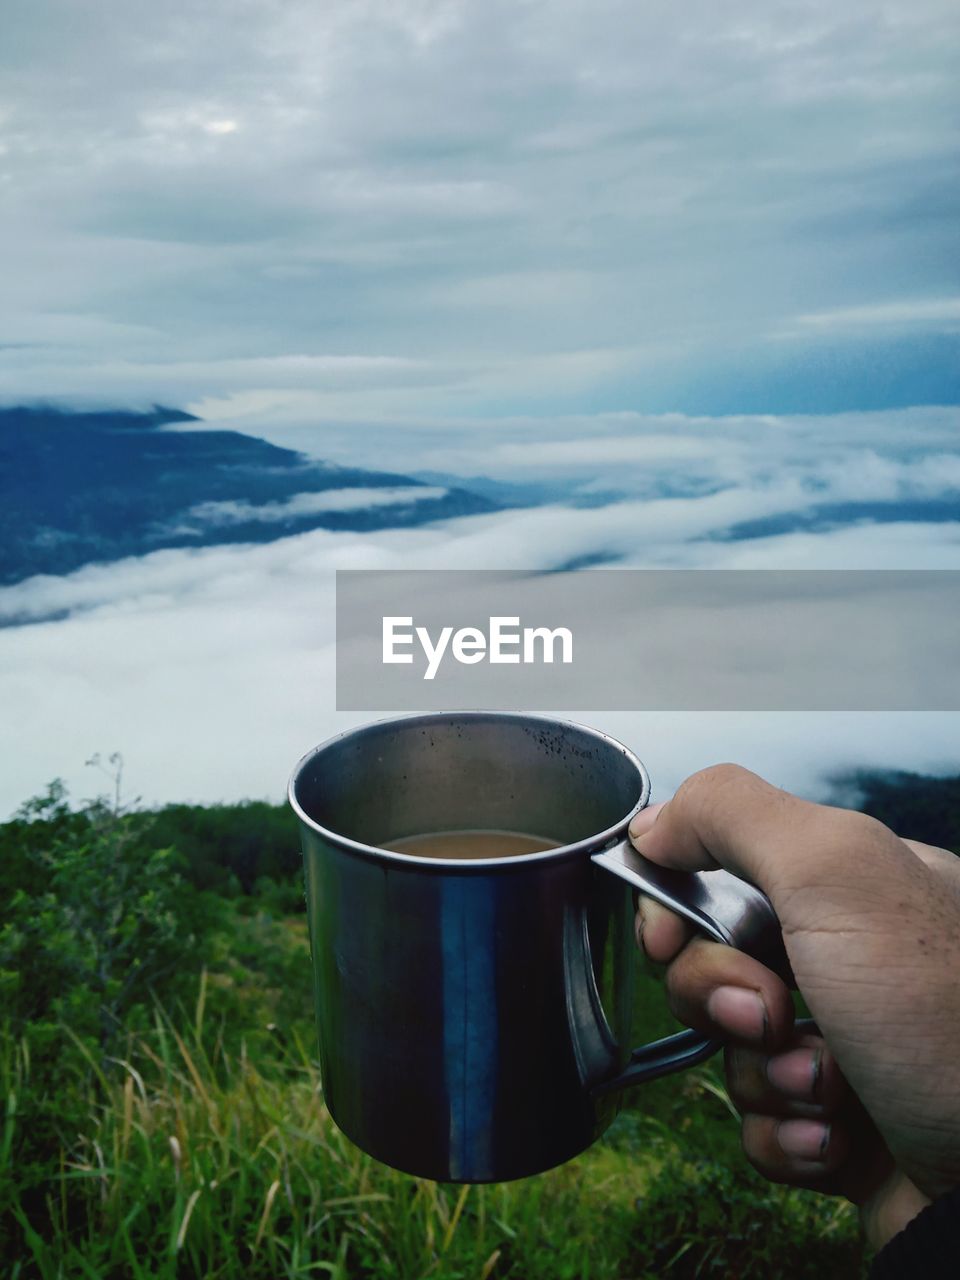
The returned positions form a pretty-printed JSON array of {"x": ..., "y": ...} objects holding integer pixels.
[
  {"x": 740, "y": 1073},
  {"x": 752, "y": 1139},
  {"x": 699, "y": 786},
  {"x": 757, "y": 1143},
  {"x": 685, "y": 977},
  {"x": 748, "y": 1086},
  {"x": 726, "y": 774},
  {"x": 852, "y": 832},
  {"x": 677, "y": 985},
  {"x": 717, "y": 789}
]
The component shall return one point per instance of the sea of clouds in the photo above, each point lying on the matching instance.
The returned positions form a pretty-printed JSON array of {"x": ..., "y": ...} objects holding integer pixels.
[{"x": 212, "y": 670}]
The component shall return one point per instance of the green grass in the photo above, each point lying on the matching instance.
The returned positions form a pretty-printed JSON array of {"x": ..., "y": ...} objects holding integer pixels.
[
  {"x": 192, "y": 1160},
  {"x": 162, "y": 1119}
]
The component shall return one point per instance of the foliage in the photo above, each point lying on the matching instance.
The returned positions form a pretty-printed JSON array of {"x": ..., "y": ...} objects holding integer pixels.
[
  {"x": 916, "y": 807},
  {"x": 709, "y": 1221},
  {"x": 231, "y": 848},
  {"x": 94, "y": 918}
]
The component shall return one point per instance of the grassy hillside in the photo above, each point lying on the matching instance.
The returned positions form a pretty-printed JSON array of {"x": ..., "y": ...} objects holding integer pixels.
[{"x": 163, "y": 1111}]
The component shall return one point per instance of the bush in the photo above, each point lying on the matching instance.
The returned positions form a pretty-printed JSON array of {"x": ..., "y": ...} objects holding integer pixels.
[{"x": 707, "y": 1221}]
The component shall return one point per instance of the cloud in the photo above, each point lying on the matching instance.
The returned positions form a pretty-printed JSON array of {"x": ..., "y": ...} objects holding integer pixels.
[
  {"x": 212, "y": 669},
  {"x": 546, "y": 456},
  {"x": 538, "y": 202},
  {"x": 930, "y": 312},
  {"x": 309, "y": 504},
  {"x": 879, "y": 456}
]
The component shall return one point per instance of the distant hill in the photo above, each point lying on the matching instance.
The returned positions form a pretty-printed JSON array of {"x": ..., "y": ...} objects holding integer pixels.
[
  {"x": 916, "y": 806},
  {"x": 82, "y": 487},
  {"x": 824, "y": 516}
]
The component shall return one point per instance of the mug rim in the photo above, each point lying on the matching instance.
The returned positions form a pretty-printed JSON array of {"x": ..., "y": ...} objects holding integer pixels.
[{"x": 590, "y": 844}]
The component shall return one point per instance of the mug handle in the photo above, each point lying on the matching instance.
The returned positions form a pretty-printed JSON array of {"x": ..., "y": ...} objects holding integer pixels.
[{"x": 727, "y": 909}]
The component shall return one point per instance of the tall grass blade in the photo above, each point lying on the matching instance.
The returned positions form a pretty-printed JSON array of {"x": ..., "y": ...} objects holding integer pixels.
[
  {"x": 461, "y": 1201},
  {"x": 264, "y": 1217},
  {"x": 191, "y": 1204},
  {"x": 201, "y": 1005}
]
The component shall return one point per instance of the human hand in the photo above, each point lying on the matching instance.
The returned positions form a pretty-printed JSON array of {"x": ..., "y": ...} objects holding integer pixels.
[{"x": 865, "y": 1101}]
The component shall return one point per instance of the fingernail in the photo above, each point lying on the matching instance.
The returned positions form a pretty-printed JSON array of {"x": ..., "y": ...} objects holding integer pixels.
[
  {"x": 739, "y": 1011},
  {"x": 644, "y": 820},
  {"x": 803, "y": 1139},
  {"x": 797, "y": 1073}
]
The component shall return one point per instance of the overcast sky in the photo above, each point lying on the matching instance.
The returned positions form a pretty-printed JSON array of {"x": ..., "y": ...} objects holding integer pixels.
[
  {"x": 694, "y": 263},
  {"x": 480, "y": 206}
]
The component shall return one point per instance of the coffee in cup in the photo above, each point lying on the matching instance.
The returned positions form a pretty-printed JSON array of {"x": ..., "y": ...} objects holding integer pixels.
[{"x": 470, "y": 844}]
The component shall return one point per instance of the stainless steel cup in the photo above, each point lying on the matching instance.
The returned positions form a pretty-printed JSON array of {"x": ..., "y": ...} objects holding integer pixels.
[{"x": 474, "y": 1015}]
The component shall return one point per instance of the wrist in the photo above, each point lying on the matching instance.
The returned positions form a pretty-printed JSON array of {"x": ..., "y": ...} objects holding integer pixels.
[{"x": 890, "y": 1208}]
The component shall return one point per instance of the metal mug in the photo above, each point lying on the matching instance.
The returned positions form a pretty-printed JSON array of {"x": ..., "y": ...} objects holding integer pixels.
[{"x": 474, "y": 1015}]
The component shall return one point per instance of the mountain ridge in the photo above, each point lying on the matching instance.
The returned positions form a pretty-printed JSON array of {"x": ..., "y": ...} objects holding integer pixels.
[{"x": 91, "y": 487}]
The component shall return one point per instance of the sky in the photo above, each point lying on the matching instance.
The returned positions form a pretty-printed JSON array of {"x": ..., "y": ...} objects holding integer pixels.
[
  {"x": 684, "y": 268},
  {"x": 481, "y": 207}
]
